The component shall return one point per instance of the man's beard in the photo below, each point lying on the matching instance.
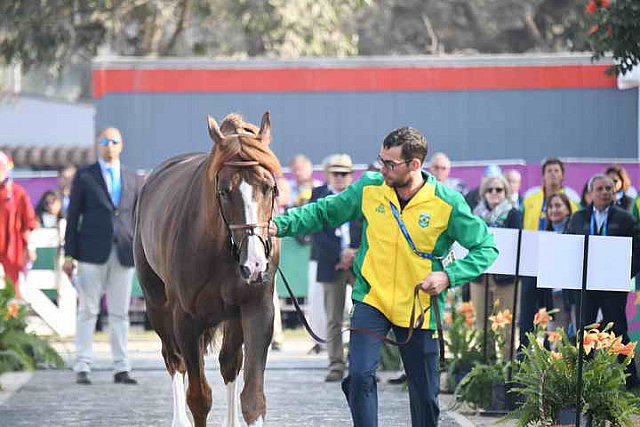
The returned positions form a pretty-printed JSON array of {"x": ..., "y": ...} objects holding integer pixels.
[{"x": 399, "y": 184}]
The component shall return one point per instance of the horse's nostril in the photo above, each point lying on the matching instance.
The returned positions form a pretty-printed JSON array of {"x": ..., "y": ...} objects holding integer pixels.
[{"x": 245, "y": 273}]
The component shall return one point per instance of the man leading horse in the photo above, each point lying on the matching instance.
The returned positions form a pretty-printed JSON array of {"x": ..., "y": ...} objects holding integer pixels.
[{"x": 410, "y": 222}]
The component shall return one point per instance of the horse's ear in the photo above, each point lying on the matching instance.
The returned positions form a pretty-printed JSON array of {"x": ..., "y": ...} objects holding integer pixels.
[
  {"x": 214, "y": 130},
  {"x": 265, "y": 128}
]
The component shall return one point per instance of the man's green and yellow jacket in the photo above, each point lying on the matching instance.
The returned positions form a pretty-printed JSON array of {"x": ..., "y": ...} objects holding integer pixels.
[{"x": 386, "y": 268}]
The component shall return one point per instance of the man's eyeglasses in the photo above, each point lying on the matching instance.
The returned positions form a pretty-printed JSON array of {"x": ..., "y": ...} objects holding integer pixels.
[
  {"x": 389, "y": 164},
  {"x": 495, "y": 190},
  {"x": 107, "y": 141}
]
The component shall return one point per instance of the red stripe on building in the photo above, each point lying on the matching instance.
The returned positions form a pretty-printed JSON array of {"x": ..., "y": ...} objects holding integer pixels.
[{"x": 349, "y": 79}]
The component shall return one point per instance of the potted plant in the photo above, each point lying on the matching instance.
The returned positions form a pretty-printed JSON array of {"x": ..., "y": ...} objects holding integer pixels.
[
  {"x": 485, "y": 386},
  {"x": 461, "y": 343},
  {"x": 20, "y": 350},
  {"x": 547, "y": 377}
]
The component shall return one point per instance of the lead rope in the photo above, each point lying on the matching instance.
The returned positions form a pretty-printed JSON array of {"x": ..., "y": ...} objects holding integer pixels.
[{"x": 413, "y": 322}]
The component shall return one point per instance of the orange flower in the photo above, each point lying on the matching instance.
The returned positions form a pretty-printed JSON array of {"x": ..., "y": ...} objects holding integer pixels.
[
  {"x": 624, "y": 350},
  {"x": 555, "y": 355},
  {"x": 13, "y": 307},
  {"x": 589, "y": 341},
  {"x": 542, "y": 318},
  {"x": 466, "y": 308},
  {"x": 605, "y": 339},
  {"x": 591, "y": 7},
  {"x": 593, "y": 29},
  {"x": 553, "y": 336},
  {"x": 500, "y": 320},
  {"x": 604, "y": 3}
]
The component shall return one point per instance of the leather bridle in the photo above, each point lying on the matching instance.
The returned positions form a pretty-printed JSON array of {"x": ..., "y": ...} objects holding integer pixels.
[{"x": 249, "y": 229}]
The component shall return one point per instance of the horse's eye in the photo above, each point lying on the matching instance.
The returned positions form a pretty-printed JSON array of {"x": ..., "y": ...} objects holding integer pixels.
[{"x": 225, "y": 192}]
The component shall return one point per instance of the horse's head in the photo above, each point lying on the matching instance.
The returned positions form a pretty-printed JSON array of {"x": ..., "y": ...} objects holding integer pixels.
[{"x": 243, "y": 170}]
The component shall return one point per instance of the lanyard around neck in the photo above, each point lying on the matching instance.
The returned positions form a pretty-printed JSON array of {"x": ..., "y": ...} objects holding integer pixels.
[
  {"x": 593, "y": 225},
  {"x": 407, "y": 236}
]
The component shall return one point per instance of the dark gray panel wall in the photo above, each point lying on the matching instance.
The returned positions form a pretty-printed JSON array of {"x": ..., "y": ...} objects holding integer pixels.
[{"x": 473, "y": 125}]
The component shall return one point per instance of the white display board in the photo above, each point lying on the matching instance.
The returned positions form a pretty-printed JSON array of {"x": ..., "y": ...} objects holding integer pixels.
[
  {"x": 556, "y": 259},
  {"x": 609, "y": 267},
  {"x": 560, "y": 261}
]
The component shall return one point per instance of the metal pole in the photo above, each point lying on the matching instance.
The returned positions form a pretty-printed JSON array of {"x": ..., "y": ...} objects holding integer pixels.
[
  {"x": 515, "y": 309},
  {"x": 585, "y": 257},
  {"x": 486, "y": 317}
]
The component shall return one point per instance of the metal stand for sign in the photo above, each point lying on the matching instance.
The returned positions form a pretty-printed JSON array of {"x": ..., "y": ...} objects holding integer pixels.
[
  {"x": 585, "y": 258},
  {"x": 514, "y": 314},
  {"x": 486, "y": 318}
]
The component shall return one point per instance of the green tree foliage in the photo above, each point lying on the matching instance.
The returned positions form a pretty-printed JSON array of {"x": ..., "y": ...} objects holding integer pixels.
[{"x": 614, "y": 28}]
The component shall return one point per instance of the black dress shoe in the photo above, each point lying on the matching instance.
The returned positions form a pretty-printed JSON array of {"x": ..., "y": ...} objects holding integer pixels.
[
  {"x": 399, "y": 380},
  {"x": 123, "y": 378},
  {"x": 83, "y": 378}
]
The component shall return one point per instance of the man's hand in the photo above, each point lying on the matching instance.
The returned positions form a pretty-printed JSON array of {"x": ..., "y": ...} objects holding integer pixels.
[
  {"x": 435, "y": 282},
  {"x": 67, "y": 267},
  {"x": 346, "y": 260},
  {"x": 273, "y": 229}
]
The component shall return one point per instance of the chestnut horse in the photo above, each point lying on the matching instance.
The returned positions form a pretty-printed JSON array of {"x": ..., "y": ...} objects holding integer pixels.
[{"x": 204, "y": 260}]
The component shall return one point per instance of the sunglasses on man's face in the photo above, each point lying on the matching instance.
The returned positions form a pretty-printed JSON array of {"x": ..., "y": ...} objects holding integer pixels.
[
  {"x": 341, "y": 174},
  {"x": 107, "y": 141},
  {"x": 389, "y": 164}
]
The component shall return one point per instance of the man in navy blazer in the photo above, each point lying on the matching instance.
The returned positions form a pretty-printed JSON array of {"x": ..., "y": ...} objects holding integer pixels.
[
  {"x": 99, "y": 238},
  {"x": 604, "y": 218},
  {"x": 334, "y": 249}
]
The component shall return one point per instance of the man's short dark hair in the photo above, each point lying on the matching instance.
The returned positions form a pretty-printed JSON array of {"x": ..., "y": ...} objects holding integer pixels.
[
  {"x": 413, "y": 143},
  {"x": 552, "y": 161}
]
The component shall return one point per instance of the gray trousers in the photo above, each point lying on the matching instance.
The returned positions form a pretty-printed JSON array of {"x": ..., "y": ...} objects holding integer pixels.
[
  {"x": 94, "y": 280},
  {"x": 334, "y": 300}
]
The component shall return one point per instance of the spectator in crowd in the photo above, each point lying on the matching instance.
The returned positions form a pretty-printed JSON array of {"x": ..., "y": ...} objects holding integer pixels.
[
  {"x": 440, "y": 167},
  {"x": 559, "y": 211},
  {"x": 388, "y": 267},
  {"x": 65, "y": 178},
  {"x": 621, "y": 184},
  {"x": 497, "y": 209},
  {"x": 49, "y": 209},
  {"x": 300, "y": 189},
  {"x": 99, "y": 237},
  {"x": 585, "y": 197},
  {"x": 334, "y": 249},
  {"x": 277, "y": 341},
  {"x": 604, "y": 218},
  {"x": 303, "y": 182},
  {"x": 515, "y": 182},
  {"x": 473, "y": 196},
  {"x": 17, "y": 220},
  {"x": 535, "y": 218}
]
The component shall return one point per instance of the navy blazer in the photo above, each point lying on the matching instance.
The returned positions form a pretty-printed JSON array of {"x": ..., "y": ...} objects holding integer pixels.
[
  {"x": 94, "y": 224},
  {"x": 326, "y": 245},
  {"x": 619, "y": 223}
]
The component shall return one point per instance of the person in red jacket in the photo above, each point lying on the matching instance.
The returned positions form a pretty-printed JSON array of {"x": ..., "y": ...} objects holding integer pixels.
[{"x": 17, "y": 219}]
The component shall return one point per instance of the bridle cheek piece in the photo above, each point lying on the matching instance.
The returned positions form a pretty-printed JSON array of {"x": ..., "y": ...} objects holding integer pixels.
[{"x": 249, "y": 229}]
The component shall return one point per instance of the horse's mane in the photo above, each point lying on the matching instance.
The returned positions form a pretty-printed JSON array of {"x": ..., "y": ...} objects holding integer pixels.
[{"x": 246, "y": 145}]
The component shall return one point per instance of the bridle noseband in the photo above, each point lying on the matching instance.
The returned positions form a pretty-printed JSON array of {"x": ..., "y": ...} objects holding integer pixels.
[{"x": 249, "y": 229}]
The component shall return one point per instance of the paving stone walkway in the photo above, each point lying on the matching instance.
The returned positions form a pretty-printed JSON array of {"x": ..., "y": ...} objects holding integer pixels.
[{"x": 296, "y": 394}]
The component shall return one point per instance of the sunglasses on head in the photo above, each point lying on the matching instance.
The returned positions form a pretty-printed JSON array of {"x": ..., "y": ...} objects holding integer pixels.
[
  {"x": 107, "y": 141},
  {"x": 495, "y": 190}
]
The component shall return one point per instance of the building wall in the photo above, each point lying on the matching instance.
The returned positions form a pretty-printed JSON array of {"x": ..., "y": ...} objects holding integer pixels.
[
  {"x": 35, "y": 121},
  {"x": 473, "y": 109}
]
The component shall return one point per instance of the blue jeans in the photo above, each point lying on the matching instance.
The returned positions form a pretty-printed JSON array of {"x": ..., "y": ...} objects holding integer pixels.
[{"x": 420, "y": 359}]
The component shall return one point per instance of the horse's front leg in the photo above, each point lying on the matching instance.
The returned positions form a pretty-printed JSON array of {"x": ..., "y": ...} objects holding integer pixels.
[
  {"x": 188, "y": 335},
  {"x": 257, "y": 328}
]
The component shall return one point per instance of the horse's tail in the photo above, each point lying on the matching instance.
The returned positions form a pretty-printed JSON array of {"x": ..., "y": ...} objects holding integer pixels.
[{"x": 211, "y": 339}]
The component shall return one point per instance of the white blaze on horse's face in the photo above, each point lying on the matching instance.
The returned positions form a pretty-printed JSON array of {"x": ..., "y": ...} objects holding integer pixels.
[{"x": 253, "y": 260}]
